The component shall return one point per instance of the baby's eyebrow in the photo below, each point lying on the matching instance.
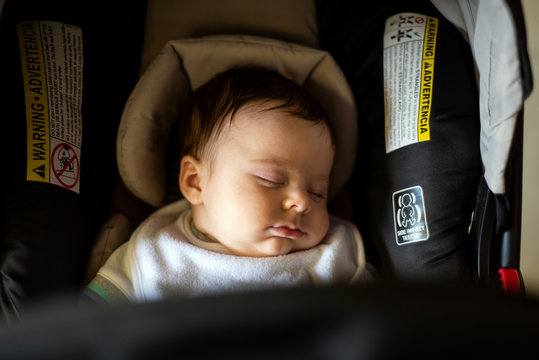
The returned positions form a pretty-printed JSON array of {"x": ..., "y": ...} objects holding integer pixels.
[
  {"x": 323, "y": 179},
  {"x": 272, "y": 161},
  {"x": 321, "y": 183}
]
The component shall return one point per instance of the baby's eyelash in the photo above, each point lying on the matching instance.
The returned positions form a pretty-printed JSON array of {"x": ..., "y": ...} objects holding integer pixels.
[
  {"x": 277, "y": 183},
  {"x": 269, "y": 182}
]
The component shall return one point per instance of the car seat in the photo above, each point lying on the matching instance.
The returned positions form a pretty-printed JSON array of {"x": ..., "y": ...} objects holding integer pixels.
[{"x": 356, "y": 52}]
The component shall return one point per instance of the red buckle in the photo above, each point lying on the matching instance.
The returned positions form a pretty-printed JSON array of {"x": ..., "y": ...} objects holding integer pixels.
[{"x": 509, "y": 281}]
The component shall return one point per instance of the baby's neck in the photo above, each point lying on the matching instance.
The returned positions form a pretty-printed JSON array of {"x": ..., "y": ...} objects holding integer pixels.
[{"x": 199, "y": 234}]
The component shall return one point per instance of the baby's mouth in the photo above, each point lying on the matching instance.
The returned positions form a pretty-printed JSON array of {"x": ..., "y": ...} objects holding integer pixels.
[{"x": 288, "y": 232}]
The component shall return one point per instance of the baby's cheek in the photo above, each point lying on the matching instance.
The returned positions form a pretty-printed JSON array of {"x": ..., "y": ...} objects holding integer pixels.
[
  {"x": 261, "y": 201},
  {"x": 323, "y": 223}
]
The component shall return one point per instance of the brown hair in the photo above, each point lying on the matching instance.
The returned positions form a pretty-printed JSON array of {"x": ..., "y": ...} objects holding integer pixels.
[{"x": 227, "y": 92}]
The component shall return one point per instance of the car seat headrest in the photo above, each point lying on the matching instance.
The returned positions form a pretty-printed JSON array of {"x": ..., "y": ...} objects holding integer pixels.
[{"x": 184, "y": 65}]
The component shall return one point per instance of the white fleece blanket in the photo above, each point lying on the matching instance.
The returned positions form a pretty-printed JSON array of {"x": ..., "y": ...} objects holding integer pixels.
[{"x": 164, "y": 258}]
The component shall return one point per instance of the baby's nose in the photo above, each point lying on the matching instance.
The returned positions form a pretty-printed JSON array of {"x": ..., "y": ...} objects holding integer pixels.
[{"x": 298, "y": 201}]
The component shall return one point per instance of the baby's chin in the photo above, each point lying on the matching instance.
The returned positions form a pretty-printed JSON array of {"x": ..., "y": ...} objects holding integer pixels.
[
  {"x": 270, "y": 247},
  {"x": 277, "y": 246}
]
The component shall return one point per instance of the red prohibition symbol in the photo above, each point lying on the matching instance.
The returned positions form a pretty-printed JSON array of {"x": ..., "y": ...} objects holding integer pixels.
[{"x": 65, "y": 165}]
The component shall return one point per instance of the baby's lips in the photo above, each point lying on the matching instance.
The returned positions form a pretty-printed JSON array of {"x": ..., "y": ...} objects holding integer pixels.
[{"x": 285, "y": 231}]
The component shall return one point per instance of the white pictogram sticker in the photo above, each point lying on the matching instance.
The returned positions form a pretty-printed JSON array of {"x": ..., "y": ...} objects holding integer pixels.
[{"x": 409, "y": 215}]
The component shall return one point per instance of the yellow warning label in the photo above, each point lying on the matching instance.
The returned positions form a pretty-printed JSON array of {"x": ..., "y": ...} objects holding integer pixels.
[
  {"x": 36, "y": 100},
  {"x": 427, "y": 77}
]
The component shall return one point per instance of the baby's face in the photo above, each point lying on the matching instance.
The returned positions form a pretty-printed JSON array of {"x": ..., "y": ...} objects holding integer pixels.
[{"x": 266, "y": 191}]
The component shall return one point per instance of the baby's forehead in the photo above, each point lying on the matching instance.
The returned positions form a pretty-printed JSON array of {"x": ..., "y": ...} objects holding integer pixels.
[
  {"x": 267, "y": 123},
  {"x": 273, "y": 126}
]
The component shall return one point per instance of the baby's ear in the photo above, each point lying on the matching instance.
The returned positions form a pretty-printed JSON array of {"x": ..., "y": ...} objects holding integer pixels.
[{"x": 190, "y": 175}]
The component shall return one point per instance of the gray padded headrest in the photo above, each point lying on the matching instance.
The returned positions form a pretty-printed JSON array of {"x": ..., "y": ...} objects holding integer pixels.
[{"x": 184, "y": 65}]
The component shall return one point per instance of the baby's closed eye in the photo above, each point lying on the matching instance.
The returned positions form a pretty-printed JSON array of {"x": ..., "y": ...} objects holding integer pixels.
[{"x": 269, "y": 181}]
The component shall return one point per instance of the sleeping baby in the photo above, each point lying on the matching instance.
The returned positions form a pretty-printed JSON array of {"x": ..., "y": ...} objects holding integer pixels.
[{"x": 255, "y": 170}]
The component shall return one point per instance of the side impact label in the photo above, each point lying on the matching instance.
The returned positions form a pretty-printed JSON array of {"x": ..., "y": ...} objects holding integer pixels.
[
  {"x": 409, "y": 216},
  {"x": 52, "y": 59},
  {"x": 409, "y": 51}
]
